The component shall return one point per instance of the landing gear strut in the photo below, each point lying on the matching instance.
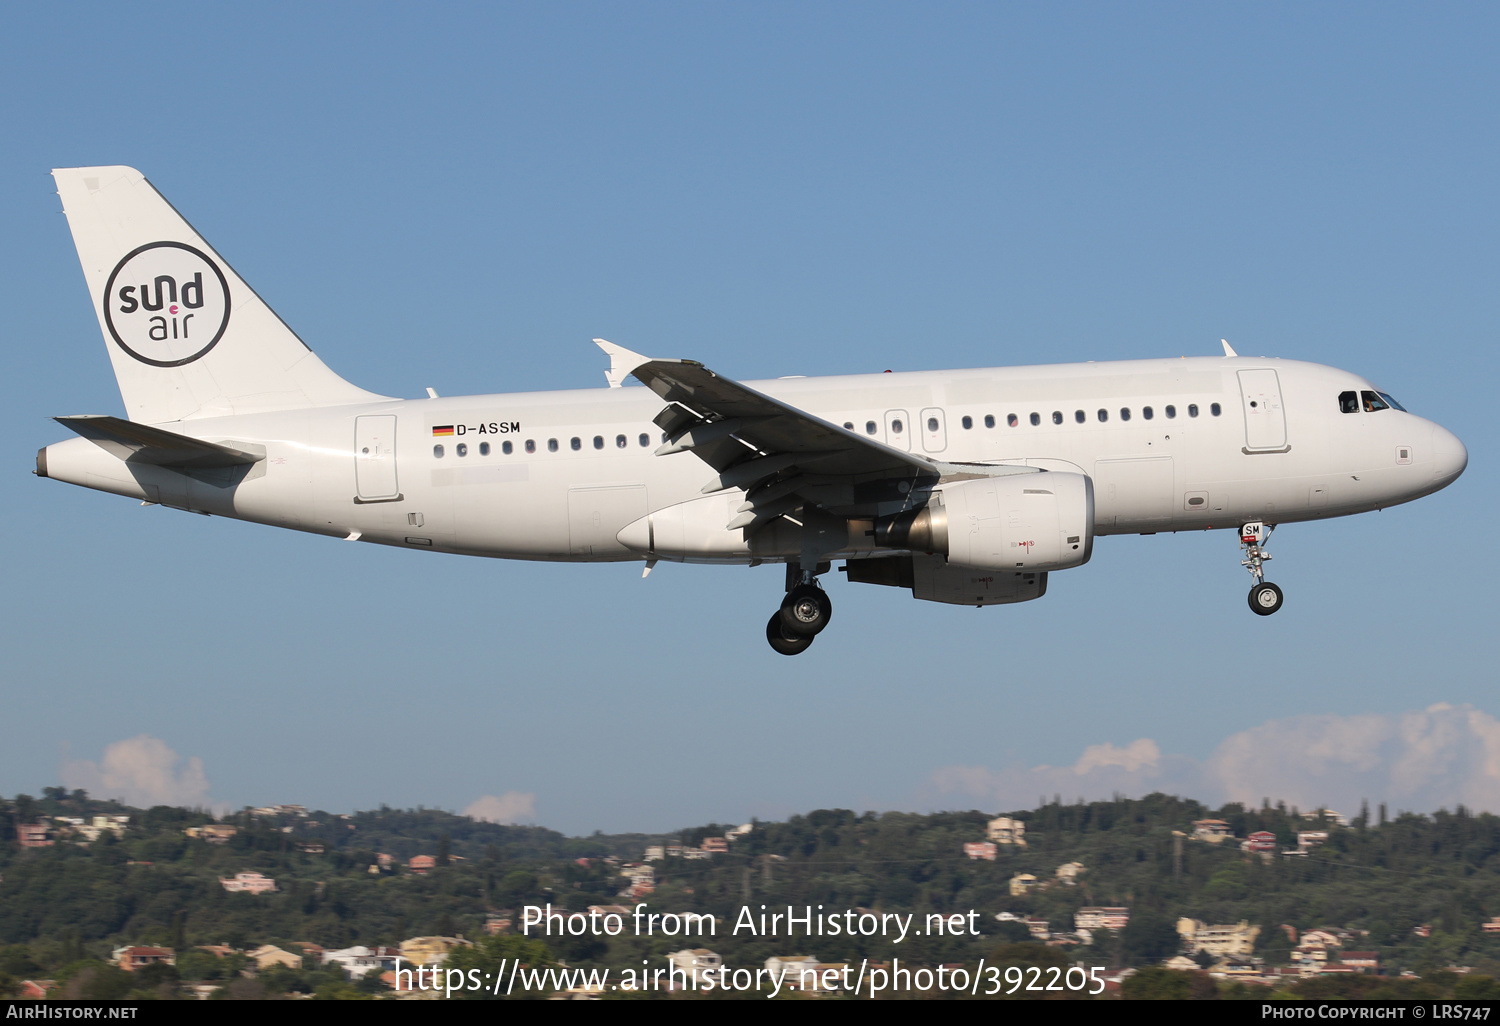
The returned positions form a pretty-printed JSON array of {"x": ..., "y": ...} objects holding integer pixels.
[
  {"x": 1265, "y": 597},
  {"x": 804, "y": 612}
]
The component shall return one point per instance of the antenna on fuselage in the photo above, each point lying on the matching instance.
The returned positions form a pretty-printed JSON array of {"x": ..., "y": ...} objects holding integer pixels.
[{"x": 1228, "y": 349}]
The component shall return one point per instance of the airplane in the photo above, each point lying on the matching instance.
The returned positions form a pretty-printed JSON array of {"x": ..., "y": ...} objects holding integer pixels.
[{"x": 966, "y": 487}]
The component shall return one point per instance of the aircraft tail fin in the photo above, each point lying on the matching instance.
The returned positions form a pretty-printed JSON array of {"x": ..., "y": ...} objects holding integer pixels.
[{"x": 187, "y": 337}]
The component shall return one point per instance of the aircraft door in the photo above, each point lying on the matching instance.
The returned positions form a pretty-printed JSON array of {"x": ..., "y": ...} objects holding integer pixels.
[
  {"x": 934, "y": 430},
  {"x": 1265, "y": 420},
  {"x": 898, "y": 430},
  {"x": 375, "y": 459}
]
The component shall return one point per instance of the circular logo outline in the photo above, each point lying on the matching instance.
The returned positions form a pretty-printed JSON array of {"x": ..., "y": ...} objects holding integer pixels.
[{"x": 109, "y": 288}]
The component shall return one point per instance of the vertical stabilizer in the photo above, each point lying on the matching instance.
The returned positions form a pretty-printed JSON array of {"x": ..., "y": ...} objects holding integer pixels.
[{"x": 187, "y": 337}]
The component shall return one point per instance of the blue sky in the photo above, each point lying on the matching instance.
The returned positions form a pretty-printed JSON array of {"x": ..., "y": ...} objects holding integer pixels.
[{"x": 461, "y": 196}]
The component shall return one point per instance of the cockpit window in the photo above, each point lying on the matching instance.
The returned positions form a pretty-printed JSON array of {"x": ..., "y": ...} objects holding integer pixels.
[
  {"x": 1387, "y": 397},
  {"x": 1348, "y": 402},
  {"x": 1373, "y": 402}
]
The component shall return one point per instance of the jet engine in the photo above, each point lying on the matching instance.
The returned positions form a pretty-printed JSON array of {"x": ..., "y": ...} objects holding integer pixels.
[{"x": 1021, "y": 523}]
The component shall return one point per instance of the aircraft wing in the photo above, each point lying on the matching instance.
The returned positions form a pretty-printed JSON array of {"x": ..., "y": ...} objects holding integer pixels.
[
  {"x": 728, "y": 409},
  {"x": 782, "y": 456}
]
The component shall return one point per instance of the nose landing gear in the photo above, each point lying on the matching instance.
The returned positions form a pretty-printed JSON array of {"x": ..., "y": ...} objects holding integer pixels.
[
  {"x": 1265, "y": 597},
  {"x": 804, "y": 612}
]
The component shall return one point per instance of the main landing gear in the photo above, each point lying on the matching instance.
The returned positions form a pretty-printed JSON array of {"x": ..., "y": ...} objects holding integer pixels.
[
  {"x": 804, "y": 612},
  {"x": 1265, "y": 597}
]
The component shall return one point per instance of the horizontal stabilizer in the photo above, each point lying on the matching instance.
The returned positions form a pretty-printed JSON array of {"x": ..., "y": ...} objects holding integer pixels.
[{"x": 141, "y": 443}]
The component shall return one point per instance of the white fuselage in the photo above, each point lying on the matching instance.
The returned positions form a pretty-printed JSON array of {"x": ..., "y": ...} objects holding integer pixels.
[{"x": 590, "y": 469}]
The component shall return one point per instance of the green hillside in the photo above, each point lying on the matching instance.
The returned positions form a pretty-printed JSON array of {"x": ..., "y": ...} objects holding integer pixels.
[{"x": 67, "y": 905}]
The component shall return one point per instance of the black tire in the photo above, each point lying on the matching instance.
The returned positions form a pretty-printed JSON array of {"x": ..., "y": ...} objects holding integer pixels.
[
  {"x": 805, "y": 611},
  {"x": 780, "y": 642},
  {"x": 1265, "y": 598}
]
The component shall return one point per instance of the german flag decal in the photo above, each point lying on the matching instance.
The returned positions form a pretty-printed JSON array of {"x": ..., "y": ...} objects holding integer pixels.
[{"x": 446, "y": 429}]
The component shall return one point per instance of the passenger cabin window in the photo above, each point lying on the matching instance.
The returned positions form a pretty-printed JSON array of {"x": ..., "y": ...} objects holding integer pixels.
[
  {"x": 871, "y": 427},
  {"x": 621, "y": 441},
  {"x": 1125, "y": 413},
  {"x": 551, "y": 445},
  {"x": 1103, "y": 416},
  {"x": 507, "y": 448},
  {"x": 461, "y": 449},
  {"x": 531, "y": 445},
  {"x": 1215, "y": 409},
  {"x": 484, "y": 448},
  {"x": 1012, "y": 420},
  {"x": 1373, "y": 402},
  {"x": 1036, "y": 418},
  {"x": 575, "y": 443},
  {"x": 1147, "y": 412},
  {"x": 896, "y": 427},
  {"x": 437, "y": 452},
  {"x": 1080, "y": 417},
  {"x": 932, "y": 424},
  {"x": 598, "y": 441},
  {"x": 1057, "y": 416},
  {"x": 1192, "y": 409},
  {"x": 645, "y": 439},
  {"x": 968, "y": 422},
  {"x": 1171, "y": 412},
  {"x": 989, "y": 420}
]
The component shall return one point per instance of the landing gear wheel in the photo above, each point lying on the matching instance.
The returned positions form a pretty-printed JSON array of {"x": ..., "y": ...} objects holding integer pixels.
[
  {"x": 779, "y": 640},
  {"x": 1265, "y": 598},
  {"x": 805, "y": 611}
]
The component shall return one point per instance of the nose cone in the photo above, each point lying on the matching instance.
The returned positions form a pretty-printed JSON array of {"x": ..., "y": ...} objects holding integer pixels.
[{"x": 1449, "y": 457}]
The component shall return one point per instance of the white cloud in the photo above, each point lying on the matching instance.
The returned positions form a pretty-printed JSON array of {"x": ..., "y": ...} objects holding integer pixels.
[
  {"x": 141, "y": 771},
  {"x": 1420, "y": 761},
  {"x": 1101, "y": 771},
  {"x": 1439, "y": 757},
  {"x": 1137, "y": 755},
  {"x": 510, "y": 807}
]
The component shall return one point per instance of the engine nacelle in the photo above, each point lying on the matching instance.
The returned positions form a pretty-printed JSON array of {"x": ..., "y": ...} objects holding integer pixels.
[
  {"x": 934, "y": 579},
  {"x": 1021, "y": 523}
]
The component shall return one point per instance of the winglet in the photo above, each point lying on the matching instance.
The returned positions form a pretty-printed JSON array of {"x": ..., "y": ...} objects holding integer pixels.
[
  {"x": 621, "y": 362},
  {"x": 1228, "y": 349}
]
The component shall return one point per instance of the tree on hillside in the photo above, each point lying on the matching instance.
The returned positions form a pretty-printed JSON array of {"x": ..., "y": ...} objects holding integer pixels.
[{"x": 1148, "y": 938}]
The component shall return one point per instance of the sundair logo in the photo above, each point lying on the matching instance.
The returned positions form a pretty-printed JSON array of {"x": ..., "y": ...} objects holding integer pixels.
[{"x": 166, "y": 304}]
